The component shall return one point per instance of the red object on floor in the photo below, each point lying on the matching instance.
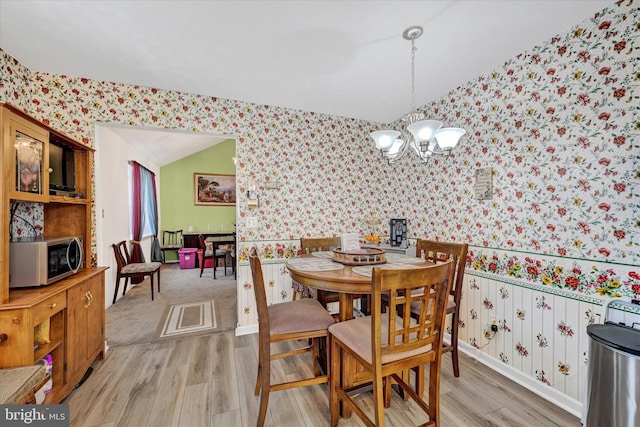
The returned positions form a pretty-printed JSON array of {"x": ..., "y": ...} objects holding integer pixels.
[{"x": 208, "y": 263}]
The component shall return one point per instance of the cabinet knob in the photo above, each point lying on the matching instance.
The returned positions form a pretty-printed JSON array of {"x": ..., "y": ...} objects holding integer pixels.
[
  {"x": 54, "y": 305},
  {"x": 89, "y": 298},
  {"x": 16, "y": 320}
]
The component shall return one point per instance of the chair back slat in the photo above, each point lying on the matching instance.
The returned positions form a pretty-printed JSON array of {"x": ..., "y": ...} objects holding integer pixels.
[
  {"x": 121, "y": 253},
  {"x": 427, "y": 287},
  {"x": 435, "y": 251},
  {"x": 309, "y": 245},
  {"x": 172, "y": 238},
  {"x": 203, "y": 243}
]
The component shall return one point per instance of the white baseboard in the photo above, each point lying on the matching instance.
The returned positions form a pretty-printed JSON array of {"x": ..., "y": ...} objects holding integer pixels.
[{"x": 246, "y": 330}]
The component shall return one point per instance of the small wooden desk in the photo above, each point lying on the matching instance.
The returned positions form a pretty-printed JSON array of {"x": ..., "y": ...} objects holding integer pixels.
[
  {"x": 190, "y": 240},
  {"x": 222, "y": 239}
]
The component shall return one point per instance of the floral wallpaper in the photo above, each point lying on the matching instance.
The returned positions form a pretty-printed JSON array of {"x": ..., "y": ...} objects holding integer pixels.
[
  {"x": 603, "y": 280},
  {"x": 558, "y": 124},
  {"x": 27, "y": 220}
]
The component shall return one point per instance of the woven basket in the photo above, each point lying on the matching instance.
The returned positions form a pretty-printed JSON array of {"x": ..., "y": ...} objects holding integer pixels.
[{"x": 364, "y": 256}]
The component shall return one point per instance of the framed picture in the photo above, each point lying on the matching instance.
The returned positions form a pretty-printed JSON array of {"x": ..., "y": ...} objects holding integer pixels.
[
  {"x": 484, "y": 184},
  {"x": 214, "y": 189}
]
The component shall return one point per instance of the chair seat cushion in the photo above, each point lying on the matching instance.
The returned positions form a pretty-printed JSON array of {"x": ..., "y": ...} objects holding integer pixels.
[
  {"x": 141, "y": 267},
  {"x": 167, "y": 247},
  {"x": 356, "y": 334},
  {"x": 309, "y": 315},
  {"x": 219, "y": 252}
]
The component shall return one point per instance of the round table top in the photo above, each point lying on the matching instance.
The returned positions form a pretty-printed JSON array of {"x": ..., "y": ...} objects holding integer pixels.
[{"x": 319, "y": 271}]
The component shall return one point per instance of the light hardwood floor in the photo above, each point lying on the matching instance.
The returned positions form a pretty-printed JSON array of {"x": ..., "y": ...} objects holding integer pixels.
[{"x": 209, "y": 381}]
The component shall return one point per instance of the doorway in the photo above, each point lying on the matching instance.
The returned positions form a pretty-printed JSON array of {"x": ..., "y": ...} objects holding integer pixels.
[{"x": 158, "y": 151}]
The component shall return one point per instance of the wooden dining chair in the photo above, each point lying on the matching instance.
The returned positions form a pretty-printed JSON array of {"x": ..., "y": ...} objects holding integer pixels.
[
  {"x": 440, "y": 252},
  {"x": 231, "y": 259},
  {"x": 171, "y": 241},
  {"x": 303, "y": 319},
  {"x": 128, "y": 269},
  {"x": 386, "y": 345},
  {"x": 310, "y": 245},
  {"x": 209, "y": 253},
  {"x": 435, "y": 251}
]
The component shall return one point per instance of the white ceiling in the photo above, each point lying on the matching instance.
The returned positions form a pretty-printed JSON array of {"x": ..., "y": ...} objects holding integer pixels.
[{"x": 346, "y": 58}]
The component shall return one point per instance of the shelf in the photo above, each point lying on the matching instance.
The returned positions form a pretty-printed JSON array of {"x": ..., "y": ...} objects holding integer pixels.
[
  {"x": 66, "y": 199},
  {"x": 56, "y": 336},
  {"x": 44, "y": 349}
]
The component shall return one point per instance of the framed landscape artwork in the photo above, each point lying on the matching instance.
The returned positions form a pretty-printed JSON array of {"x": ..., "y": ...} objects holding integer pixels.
[{"x": 214, "y": 189}]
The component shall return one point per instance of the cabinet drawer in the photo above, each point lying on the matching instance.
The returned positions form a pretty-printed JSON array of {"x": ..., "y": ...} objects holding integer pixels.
[{"x": 49, "y": 307}]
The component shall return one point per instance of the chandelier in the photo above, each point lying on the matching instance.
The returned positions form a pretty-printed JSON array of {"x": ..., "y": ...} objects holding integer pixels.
[{"x": 424, "y": 137}]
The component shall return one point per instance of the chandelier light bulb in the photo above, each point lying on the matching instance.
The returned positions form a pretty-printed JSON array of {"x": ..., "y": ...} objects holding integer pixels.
[
  {"x": 395, "y": 148},
  {"x": 384, "y": 138},
  {"x": 448, "y": 137},
  {"x": 424, "y": 130}
]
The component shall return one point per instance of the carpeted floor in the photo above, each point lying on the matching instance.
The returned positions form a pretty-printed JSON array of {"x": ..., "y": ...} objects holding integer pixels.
[{"x": 136, "y": 319}]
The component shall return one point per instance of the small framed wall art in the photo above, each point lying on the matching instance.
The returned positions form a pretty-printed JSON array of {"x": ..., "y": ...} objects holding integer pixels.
[
  {"x": 484, "y": 184},
  {"x": 214, "y": 189}
]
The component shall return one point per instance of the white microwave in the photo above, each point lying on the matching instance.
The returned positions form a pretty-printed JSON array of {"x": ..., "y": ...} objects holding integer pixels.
[{"x": 43, "y": 261}]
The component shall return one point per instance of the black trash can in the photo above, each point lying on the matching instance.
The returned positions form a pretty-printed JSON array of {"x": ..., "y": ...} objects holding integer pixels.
[{"x": 613, "y": 382}]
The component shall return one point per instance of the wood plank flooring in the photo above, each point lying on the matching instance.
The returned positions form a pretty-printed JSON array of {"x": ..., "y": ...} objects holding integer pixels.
[{"x": 209, "y": 380}]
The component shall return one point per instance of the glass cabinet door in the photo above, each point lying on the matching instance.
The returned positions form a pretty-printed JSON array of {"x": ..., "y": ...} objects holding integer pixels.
[
  {"x": 29, "y": 155},
  {"x": 29, "y": 145}
]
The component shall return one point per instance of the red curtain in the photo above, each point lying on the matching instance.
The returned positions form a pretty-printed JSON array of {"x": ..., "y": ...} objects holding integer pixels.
[{"x": 136, "y": 217}]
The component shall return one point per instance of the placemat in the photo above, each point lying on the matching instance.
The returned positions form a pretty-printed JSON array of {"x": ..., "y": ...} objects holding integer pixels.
[
  {"x": 403, "y": 259},
  {"x": 323, "y": 254},
  {"x": 314, "y": 264}
]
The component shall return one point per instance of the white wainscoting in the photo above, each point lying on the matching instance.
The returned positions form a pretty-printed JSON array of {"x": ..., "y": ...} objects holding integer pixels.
[
  {"x": 542, "y": 337},
  {"x": 278, "y": 289},
  {"x": 541, "y": 341}
]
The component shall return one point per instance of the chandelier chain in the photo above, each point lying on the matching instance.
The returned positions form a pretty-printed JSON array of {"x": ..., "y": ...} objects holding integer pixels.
[
  {"x": 413, "y": 74},
  {"x": 425, "y": 137}
]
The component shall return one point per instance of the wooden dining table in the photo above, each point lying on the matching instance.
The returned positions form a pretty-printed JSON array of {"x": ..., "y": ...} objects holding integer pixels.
[{"x": 318, "y": 270}]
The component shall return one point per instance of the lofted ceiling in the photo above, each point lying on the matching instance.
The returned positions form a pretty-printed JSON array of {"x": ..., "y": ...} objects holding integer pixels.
[{"x": 345, "y": 58}]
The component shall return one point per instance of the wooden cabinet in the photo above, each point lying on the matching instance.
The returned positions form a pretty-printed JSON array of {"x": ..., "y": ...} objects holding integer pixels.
[
  {"x": 85, "y": 325},
  {"x": 73, "y": 308}
]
